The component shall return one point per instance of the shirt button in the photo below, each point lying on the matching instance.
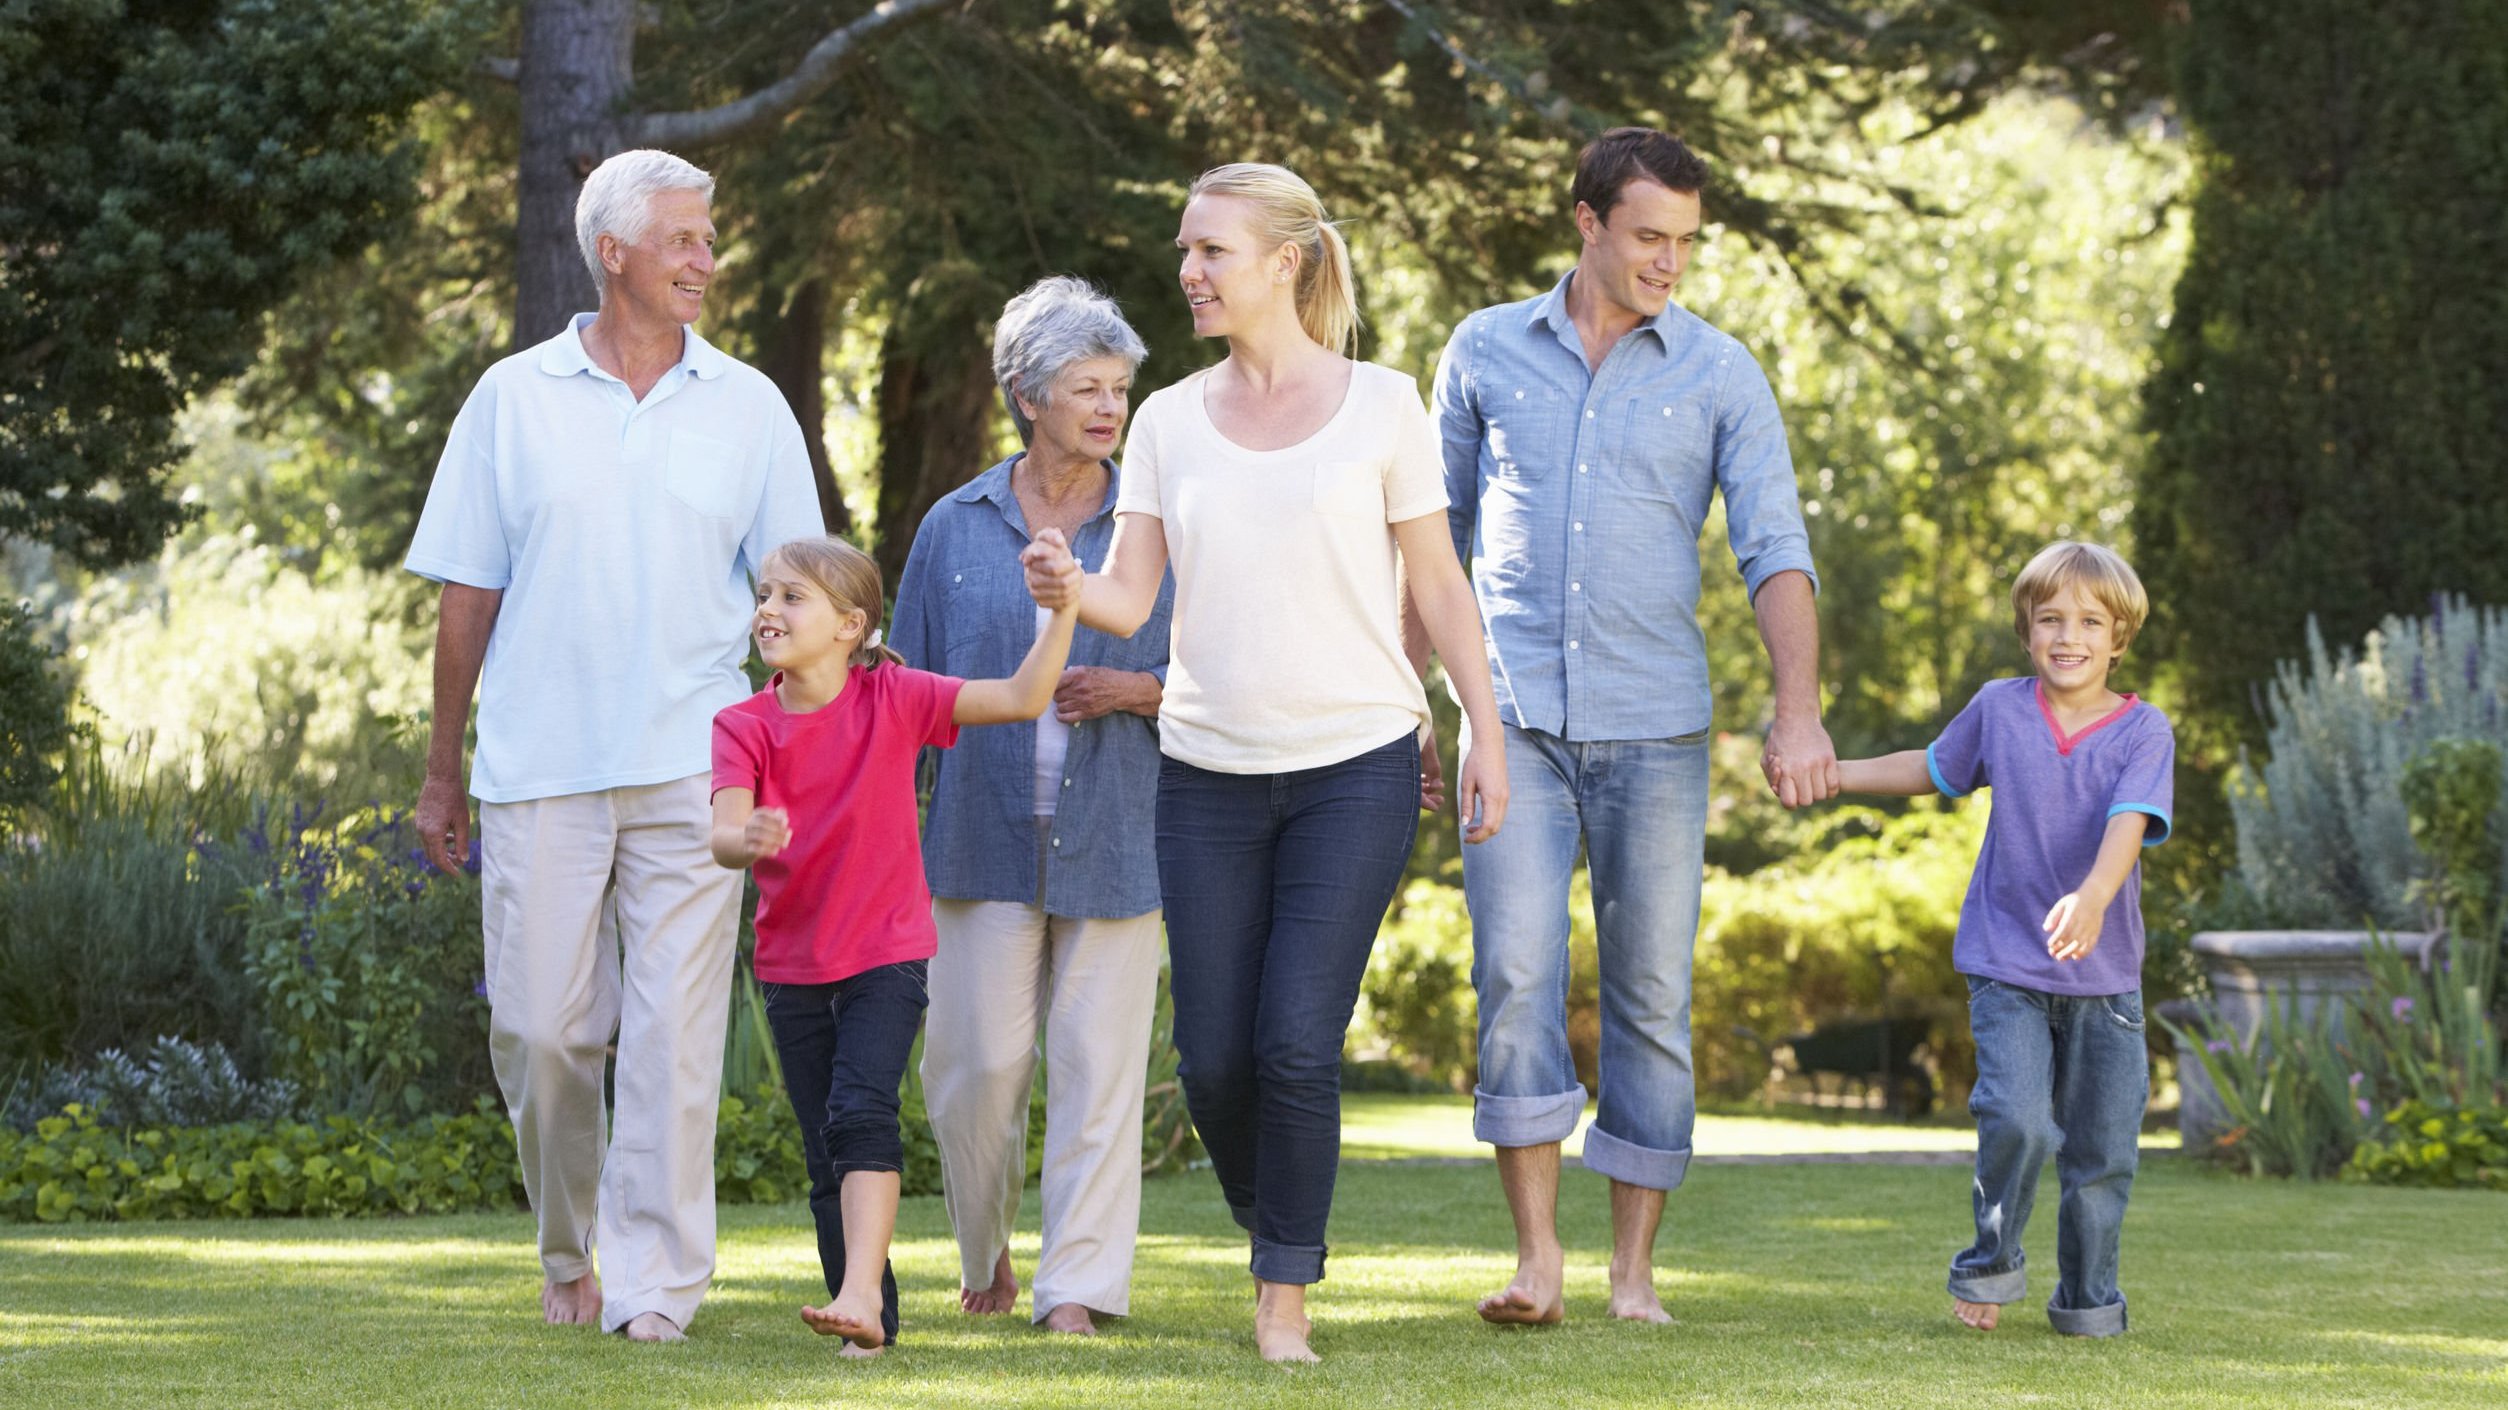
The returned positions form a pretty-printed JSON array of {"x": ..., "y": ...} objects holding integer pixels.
[
  {"x": 1576, "y": 587},
  {"x": 1580, "y": 469},
  {"x": 1066, "y": 783},
  {"x": 1580, "y": 526},
  {"x": 957, "y": 577},
  {"x": 1589, "y": 416},
  {"x": 1573, "y": 645},
  {"x": 1057, "y": 841}
]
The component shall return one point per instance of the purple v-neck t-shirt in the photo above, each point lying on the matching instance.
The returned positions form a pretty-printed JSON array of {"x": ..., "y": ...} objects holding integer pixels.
[{"x": 2053, "y": 796}]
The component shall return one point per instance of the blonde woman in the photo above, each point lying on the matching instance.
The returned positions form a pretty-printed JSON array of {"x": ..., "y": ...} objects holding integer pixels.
[{"x": 1290, "y": 487}]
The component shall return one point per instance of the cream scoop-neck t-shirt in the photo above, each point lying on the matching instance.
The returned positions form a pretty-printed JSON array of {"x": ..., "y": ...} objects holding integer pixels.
[{"x": 1286, "y": 650}]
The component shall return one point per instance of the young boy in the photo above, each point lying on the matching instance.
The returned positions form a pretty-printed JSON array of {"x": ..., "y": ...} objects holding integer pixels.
[{"x": 2050, "y": 935}]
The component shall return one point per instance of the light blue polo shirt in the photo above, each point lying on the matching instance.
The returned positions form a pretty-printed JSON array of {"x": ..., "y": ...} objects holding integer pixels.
[{"x": 624, "y": 536}]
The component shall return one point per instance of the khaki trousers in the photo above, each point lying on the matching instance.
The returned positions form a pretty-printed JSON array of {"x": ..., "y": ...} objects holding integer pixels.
[
  {"x": 1004, "y": 970},
  {"x": 607, "y": 916}
]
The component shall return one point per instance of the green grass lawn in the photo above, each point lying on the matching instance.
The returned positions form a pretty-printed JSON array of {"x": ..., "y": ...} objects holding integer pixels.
[{"x": 1793, "y": 1285}]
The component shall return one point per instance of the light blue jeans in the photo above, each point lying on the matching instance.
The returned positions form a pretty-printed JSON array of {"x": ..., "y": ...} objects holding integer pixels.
[
  {"x": 1639, "y": 806},
  {"x": 2059, "y": 1075}
]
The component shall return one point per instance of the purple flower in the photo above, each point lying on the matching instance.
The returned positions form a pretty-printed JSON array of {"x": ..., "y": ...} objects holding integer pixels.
[
  {"x": 2217, "y": 1045},
  {"x": 2401, "y": 1009},
  {"x": 2363, "y": 1104}
]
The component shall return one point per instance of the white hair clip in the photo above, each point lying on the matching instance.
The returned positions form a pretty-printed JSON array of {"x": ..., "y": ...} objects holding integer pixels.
[{"x": 874, "y": 639}]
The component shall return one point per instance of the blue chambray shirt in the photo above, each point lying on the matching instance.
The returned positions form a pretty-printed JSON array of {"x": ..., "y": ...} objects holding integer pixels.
[
  {"x": 963, "y": 609},
  {"x": 1577, "y": 498}
]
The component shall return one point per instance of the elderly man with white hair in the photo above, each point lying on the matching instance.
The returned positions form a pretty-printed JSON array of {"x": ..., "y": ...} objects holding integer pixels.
[{"x": 601, "y": 505}]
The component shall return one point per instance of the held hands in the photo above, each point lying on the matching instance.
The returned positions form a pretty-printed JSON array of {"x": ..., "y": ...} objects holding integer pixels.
[
  {"x": 1800, "y": 763},
  {"x": 1432, "y": 774},
  {"x": 768, "y": 831},
  {"x": 2072, "y": 927},
  {"x": 1053, "y": 574}
]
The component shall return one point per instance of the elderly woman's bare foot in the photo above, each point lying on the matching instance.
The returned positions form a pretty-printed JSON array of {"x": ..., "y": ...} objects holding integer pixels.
[
  {"x": 859, "y": 1326},
  {"x": 571, "y": 1304},
  {"x": 1980, "y": 1315},
  {"x": 1070, "y": 1317},
  {"x": 652, "y": 1326},
  {"x": 1281, "y": 1327},
  {"x": 1000, "y": 1297}
]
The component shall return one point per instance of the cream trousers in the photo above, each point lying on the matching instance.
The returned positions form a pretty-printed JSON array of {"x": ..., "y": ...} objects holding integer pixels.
[{"x": 606, "y": 916}]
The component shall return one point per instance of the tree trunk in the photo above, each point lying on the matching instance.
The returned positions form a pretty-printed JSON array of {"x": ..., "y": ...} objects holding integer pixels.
[
  {"x": 578, "y": 61},
  {"x": 792, "y": 356},
  {"x": 936, "y": 401}
]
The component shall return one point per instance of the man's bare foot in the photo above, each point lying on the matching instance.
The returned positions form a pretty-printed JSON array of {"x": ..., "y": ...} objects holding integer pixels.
[
  {"x": 571, "y": 1304},
  {"x": 1533, "y": 1299},
  {"x": 1070, "y": 1317},
  {"x": 1633, "y": 1296},
  {"x": 1000, "y": 1297},
  {"x": 858, "y": 1325},
  {"x": 652, "y": 1326},
  {"x": 1980, "y": 1315},
  {"x": 1281, "y": 1326}
]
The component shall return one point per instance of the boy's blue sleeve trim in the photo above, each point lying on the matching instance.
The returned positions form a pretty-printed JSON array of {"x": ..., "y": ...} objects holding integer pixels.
[
  {"x": 2150, "y": 837},
  {"x": 1938, "y": 781}
]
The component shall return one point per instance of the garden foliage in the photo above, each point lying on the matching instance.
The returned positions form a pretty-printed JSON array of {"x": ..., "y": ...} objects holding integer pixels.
[{"x": 165, "y": 1082}]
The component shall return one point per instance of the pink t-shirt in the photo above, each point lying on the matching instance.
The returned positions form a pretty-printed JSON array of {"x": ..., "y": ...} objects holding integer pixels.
[{"x": 847, "y": 894}]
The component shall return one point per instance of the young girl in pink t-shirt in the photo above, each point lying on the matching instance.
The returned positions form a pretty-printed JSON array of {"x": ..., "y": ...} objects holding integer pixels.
[{"x": 814, "y": 790}]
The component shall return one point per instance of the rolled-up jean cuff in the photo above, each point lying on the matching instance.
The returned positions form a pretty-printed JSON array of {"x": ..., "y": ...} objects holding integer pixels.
[
  {"x": 1244, "y": 1215},
  {"x": 1630, "y": 1164},
  {"x": 1526, "y": 1121},
  {"x": 1288, "y": 1263},
  {"x": 865, "y": 1167},
  {"x": 2105, "y": 1321},
  {"x": 2010, "y": 1285}
]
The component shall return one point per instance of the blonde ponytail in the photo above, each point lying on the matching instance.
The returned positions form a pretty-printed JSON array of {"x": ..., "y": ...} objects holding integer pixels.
[{"x": 1287, "y": 212}]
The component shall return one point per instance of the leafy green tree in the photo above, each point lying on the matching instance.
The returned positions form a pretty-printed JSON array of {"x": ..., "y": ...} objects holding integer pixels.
[
  {"x": 168, "y": 172},
  {"x": 2333, "y": 396}
]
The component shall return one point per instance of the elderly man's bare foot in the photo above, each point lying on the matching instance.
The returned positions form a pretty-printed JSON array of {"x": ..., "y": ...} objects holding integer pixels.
[
  {"x": 571, "y": 1304},
  {"x": 858, "y": 1325},
  {"x": 1533, "y": 1299},
  {"x": 652, "y": 1326},
  {"x": 1070, "y": 1317},
  {"x": 1980, "y": 1315},
  {"x": 1000, "y": 1297}
]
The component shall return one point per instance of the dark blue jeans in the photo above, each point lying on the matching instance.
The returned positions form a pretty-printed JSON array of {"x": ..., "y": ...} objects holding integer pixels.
[
  {"x": 843, "y": 1047},
  {"x": 2061, "y": 1075},
  {"x": 1275, "y": 885}
]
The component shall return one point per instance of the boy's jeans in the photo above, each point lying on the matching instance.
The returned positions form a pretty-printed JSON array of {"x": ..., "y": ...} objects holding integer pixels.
[{"x": 2061, "y": 1074}]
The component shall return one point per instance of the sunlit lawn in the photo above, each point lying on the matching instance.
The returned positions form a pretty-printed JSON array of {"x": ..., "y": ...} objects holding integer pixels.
[{"x": 1794, "y": 1285}]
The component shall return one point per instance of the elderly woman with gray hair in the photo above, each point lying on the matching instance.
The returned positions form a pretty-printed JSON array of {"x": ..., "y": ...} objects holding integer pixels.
[{"x": 1039, "y": 839}]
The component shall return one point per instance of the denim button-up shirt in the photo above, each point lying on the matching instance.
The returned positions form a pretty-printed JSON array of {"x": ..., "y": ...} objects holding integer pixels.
[
  {"x": 1577, "y": 497},
  {"x": 963, "y": 609}
]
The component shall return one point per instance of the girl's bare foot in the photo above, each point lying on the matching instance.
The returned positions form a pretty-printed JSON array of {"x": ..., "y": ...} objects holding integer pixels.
[
  {"x": 1980, "y": 1315},
  {"x": 571, "y": 1304},
  {"x": 1000, "y": 1297},
  {"x": 857, "y": 1324},
  {"x": 652, "y": 1326},
  {"x": 1070, "y": 1317},
  {"x": 1280, "y": 1324}
]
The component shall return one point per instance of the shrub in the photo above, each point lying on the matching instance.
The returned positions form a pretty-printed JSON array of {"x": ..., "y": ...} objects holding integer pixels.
[
  {"x": 2446, "y": 1147},
  {"x": 167, "y": 1083},
  {"x": 1416, "y": 1002},
  {"x": 2324, "y": 835},
  {"x": 35, "y": 727}
]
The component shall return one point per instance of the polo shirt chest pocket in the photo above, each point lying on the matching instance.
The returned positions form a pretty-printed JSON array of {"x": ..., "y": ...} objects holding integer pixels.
[
  {"x": 1530, "y": 430},
  {"x": 710, "y": 476}
]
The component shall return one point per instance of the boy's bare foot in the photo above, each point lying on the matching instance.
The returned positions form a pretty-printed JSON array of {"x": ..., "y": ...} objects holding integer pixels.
[
  {"x": 858, "y": 1351},
  {"x": 1633, "y": 1296},
  {"x": 1000, "y": 1297},
  {"x": 1980, "y": 1315},
  {"x": 652, "y": 1326},
  {"x": 1281, "y": 1326},
  {"x": 859, "y": 1326},
  {"x": 1070, "y": 1317},
  {"x": 571, "y": 1304},
  {"x": 1533, "y": 1299}
]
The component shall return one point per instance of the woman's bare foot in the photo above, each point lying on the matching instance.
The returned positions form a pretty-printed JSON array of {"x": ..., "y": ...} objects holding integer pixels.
[
  {"x": 652, "y": 1326},
  {"x": 858, "y": 1324},
  {"x": 1000, "y": 1297},
  {"x": 571, "y": 1304},
  {"x": 1533, "y": 1299},
  {"x": 1980, "y": 1315},
  {"x": 1280, "y": 1324},
  {"x": 1070, "y": 1317},
  {"x": 1633, "y": 1296}
]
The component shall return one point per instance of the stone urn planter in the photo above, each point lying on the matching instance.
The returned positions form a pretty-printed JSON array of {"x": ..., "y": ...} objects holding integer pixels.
[{"x": 2255, "y": 973}]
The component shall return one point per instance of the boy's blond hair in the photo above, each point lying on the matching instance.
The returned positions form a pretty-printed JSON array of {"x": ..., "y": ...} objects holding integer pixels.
[{"x": 2096, "y": 572}]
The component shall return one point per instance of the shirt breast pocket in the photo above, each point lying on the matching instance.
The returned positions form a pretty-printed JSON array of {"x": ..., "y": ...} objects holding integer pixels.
[
  {"x": 709, "y": 476},
  {"x": 1350, "y": 489},
  {"x": 1668, "y": 449},
  {"x": 1530, "y": 430},
  {"x": 992, "y": 620}
]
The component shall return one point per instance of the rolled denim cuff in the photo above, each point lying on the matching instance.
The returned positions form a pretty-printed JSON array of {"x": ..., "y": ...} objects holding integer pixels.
[
  {"x": 2010, "y": 1285},
  {"x": 1526, "y": 1121},
  {"x": 1288, "y": 1263},
  {"x": 2105, "y": 1321},
  {"x": 1631, "y": 1164},
  {"x": 1243, "y": 1215}
]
